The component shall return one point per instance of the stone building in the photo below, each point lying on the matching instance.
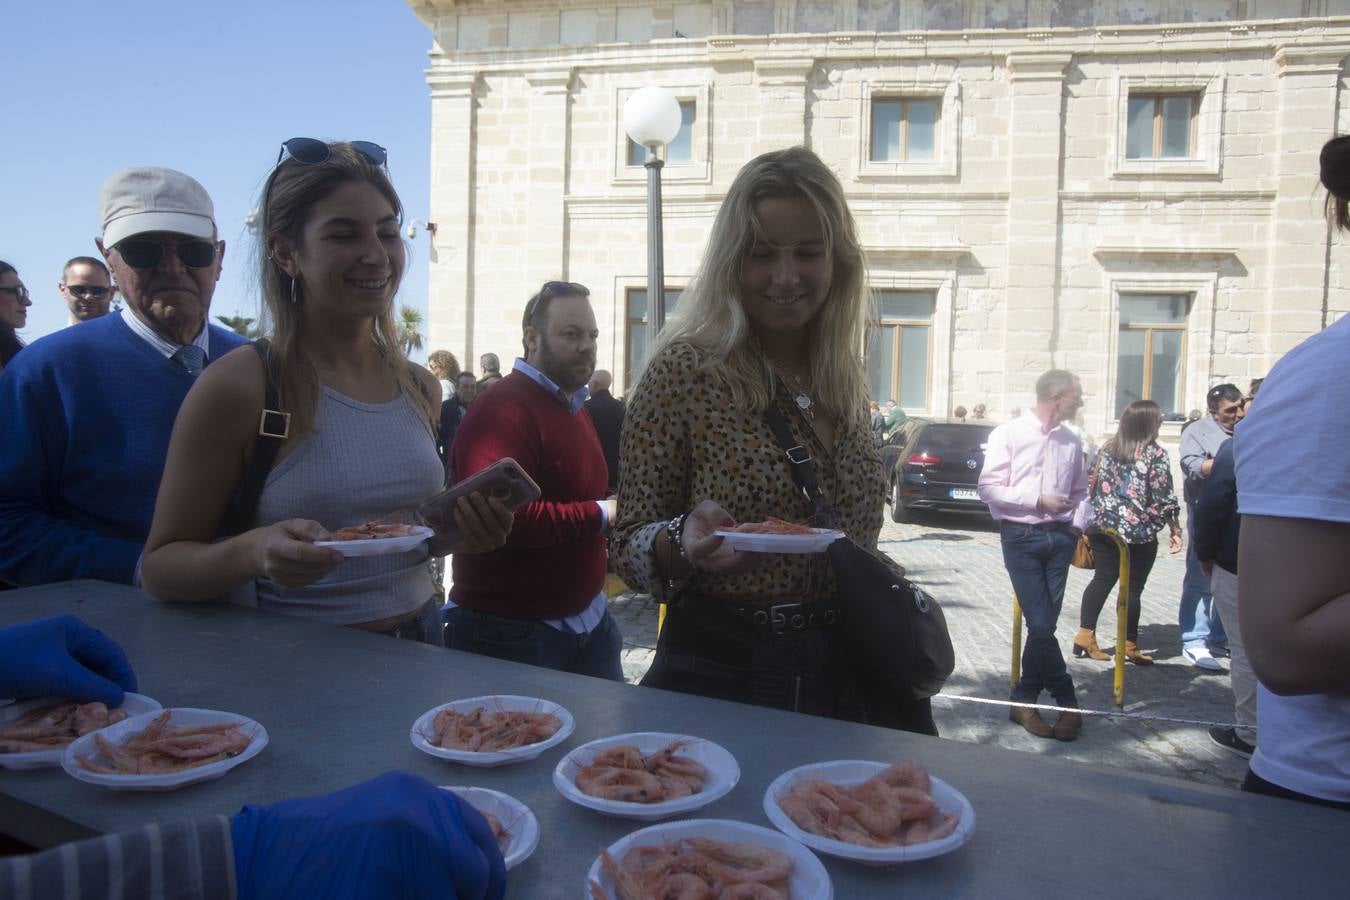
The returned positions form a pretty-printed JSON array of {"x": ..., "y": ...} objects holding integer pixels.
[{"x": 1124, "y": 188}]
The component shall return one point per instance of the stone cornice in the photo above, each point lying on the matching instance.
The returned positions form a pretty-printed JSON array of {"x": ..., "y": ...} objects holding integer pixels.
[
  {"x": 550, "y": 81},
  {"x": 789, "y": 71},
  {"x": 1031, "y": 66},
  {"x": 1127, "y": 252},
  {"x": 1302, "y": 59},
  {"x": 449, "y": 85}
]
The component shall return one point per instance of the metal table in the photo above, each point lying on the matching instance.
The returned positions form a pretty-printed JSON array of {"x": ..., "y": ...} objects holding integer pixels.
[{"x": 338, "y": 704}]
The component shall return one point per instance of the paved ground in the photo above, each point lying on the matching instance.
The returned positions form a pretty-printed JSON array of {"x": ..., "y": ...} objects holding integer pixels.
[{"x": 958, "y": 560}]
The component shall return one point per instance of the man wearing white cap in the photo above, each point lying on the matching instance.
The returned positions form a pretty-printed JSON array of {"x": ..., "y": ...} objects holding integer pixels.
[{"x": 89, "y": 410}]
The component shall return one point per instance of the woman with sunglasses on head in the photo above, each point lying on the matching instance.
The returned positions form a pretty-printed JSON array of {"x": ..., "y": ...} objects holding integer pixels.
[
  {"x": 14, "y": 303},
  {"x": 774, "y": 317},
  {"x": 357, "y": 424}
]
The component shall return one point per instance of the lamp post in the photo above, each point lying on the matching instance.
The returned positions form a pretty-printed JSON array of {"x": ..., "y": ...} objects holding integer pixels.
[{"x": 651, "y": 117}]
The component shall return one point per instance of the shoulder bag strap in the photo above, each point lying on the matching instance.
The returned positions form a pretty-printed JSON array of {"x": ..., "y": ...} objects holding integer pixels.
[
  {"x": 274, "y": 426},
  {"x": 803, "y": 470}
]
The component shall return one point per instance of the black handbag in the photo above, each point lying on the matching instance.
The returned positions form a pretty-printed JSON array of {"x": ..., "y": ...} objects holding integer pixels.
[{"x": 896, "y": 629}]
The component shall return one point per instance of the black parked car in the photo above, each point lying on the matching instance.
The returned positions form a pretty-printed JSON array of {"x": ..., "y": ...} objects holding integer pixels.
[{"x": 933, "y": 463}]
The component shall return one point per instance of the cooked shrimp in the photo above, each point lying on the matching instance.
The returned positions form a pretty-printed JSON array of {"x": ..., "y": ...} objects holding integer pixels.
[{"x": 737, "y": 862}]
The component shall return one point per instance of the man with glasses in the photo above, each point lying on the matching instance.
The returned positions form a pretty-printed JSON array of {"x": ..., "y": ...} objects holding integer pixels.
[
  {"x": 87, "y": 288},
  {"x": 540, "y": 599},
  {"x": 1202, "y": 631},
  {"x": 90, "y": 409}
]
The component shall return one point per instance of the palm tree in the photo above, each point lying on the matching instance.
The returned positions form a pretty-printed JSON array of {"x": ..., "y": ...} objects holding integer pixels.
[
  {"x": 240, "y": 325},
  {"x": 409, "y": 329}
]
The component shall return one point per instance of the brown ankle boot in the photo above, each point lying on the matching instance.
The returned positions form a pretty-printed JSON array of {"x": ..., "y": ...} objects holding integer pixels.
[
  {"x": 1133, "y": 654},
  {"x": 1085, "y": 644}
]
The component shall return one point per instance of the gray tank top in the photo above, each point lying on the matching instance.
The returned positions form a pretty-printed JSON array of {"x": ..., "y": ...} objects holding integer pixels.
[{"x": 362, "y": 462}]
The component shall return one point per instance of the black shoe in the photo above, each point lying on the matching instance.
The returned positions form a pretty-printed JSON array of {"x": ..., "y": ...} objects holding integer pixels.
[
  {"x": 1228, "y": 739},
  {"x": 1220, "y": 652}
]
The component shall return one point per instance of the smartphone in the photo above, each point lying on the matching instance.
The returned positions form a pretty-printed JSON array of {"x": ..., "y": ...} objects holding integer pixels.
[{"x": 505, "y": 480}]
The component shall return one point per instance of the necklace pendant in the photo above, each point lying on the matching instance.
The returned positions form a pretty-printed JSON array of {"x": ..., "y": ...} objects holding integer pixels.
[{"x": 804, "y": 404}]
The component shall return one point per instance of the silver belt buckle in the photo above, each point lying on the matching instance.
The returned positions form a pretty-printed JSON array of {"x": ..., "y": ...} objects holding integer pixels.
[{"x": 778, "y": 621}]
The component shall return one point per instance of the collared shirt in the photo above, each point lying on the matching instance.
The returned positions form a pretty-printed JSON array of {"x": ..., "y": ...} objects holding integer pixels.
[
  {"x": 586, "y": 620},
  {"x": 1023, "y": 461},
  {"x": 1200, "y": 441},
  {"x": 161, "y": 343}
]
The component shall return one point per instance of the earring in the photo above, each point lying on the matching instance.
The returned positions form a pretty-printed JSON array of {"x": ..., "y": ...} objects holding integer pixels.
[{"x": 295, "y": 301}]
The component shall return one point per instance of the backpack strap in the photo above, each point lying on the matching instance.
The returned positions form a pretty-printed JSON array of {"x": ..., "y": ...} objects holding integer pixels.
[{"x": 274, "y": 426}]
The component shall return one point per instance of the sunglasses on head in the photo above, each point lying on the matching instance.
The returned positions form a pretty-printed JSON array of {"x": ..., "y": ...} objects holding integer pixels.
[
  {"x": 312, "y": 151},
  {"x": 550, "y": 290},
  {"x": 89, "y": 291},
  {"x": 140, "y": 253}
]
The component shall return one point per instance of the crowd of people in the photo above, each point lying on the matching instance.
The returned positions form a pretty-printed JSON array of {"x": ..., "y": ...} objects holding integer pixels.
[{"x": 149, "y": 447}]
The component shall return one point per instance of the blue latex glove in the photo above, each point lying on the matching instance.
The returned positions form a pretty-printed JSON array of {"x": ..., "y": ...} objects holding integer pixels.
[
  {"x": 63, "y": 657},
  {"x": 393, "y": 836}
]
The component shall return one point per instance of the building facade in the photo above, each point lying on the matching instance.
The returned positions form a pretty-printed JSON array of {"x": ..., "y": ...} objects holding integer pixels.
[{"x": 1124, "y": 188}]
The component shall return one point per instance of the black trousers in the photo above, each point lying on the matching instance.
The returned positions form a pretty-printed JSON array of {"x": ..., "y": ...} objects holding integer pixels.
[{"x": 1106, "y": 556}]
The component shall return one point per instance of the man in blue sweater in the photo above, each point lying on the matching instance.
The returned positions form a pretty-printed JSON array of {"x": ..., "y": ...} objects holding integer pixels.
[{"x": 88, "y": 411}]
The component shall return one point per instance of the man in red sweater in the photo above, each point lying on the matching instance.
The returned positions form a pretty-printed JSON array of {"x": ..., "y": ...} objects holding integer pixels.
[{"x": 540, "y": 598}]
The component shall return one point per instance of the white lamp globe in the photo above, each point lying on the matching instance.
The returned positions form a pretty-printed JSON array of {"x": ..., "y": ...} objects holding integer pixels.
[{"x": 651, "y": 117}]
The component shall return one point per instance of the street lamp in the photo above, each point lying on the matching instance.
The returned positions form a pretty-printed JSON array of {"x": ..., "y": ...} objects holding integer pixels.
[{"x": 651, "y": 117}]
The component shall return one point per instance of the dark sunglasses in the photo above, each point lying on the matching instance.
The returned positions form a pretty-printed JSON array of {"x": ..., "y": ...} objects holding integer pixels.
[
  {"x": 20, "y": 292},
  {"x": 550, "y": 290},
  {"x": 89, "y": 291},
  {"x": 312, "y": 151},
  {"x": 140, "y": 254}
]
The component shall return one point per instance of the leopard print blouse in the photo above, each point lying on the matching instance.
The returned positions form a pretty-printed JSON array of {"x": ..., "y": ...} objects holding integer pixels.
[{"x": 683, "y": 442}]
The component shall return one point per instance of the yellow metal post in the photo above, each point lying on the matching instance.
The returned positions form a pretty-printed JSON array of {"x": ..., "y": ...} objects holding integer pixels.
[
  {"x": 1122, "y": 613},
  {"x": 1016, "y": 643}
]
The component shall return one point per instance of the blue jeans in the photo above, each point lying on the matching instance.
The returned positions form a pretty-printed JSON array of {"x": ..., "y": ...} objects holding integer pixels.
[
  {"x": 1198, "y": 617},
  {"x": 1037, "y": 561},
  {"x": 527, "y": 641},
  {"x": 424, "y": 628}
]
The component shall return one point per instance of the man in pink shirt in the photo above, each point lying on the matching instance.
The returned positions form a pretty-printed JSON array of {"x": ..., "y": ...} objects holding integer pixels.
[{"x": 1033, "y": 478}]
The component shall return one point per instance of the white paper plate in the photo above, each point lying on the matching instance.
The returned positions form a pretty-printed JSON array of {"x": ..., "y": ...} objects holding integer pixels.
[
  {"x": 380, "y": 546},
  {"x": 815, "y": 542},
  {"x": 723, "y": 774},
  {"x": 808, "y": 881},
  {"x": 134, "y": 705},
  {"x": 515, "y": 816},
  {"x": 853, "y": 771},
  {"x": 184, "y": 717},
  {"x": 421, "y": 729}
]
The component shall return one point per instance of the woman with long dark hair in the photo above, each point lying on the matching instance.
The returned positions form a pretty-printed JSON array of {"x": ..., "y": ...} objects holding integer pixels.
[
  {"x": 1130, "y": 493},
  {"x": 14, "y": 303}
]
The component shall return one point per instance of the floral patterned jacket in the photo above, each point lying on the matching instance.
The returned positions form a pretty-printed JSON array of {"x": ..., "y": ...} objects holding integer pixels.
[{"x": 1135, "y": 499}]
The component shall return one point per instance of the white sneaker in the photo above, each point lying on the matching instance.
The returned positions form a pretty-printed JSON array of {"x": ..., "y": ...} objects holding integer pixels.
[{"x": 1200, "y": 656}]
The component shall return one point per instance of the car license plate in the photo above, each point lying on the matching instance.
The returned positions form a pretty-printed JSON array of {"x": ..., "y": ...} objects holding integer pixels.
[{"x": 963, "y": 494}]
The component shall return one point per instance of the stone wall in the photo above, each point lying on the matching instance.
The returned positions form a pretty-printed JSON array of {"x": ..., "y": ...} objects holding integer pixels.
[{"x": 1027, "y": 227}]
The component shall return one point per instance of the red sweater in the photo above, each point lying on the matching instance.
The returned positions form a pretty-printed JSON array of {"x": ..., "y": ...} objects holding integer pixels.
[{"x": 553, "y": 564}]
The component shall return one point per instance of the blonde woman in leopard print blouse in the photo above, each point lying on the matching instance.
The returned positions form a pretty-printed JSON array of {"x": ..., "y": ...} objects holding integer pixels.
[{"x": 775, "y": 314}]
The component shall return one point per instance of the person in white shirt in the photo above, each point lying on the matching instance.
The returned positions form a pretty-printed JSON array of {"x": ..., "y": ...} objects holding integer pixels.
[{"x": 1294, "y": 594}]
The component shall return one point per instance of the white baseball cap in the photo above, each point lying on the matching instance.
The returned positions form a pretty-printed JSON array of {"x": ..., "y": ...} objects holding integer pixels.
[{"x": 140, "y": 200}]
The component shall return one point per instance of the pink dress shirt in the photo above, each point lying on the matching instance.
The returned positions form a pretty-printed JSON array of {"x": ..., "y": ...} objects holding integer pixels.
[{"x": 1022, "y": 461}]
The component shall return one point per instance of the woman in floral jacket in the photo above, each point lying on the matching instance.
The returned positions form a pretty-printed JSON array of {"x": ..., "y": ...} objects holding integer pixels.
[{"x": 1130, "y": 492}]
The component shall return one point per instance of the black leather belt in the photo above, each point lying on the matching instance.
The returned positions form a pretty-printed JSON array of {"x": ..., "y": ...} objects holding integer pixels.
[
  {"x": 790, "y": 616},
  {"x": 1036, "y": 526}
]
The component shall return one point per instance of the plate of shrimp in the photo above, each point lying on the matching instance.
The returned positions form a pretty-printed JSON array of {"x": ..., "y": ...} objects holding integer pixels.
[
  {"x": 647, "y": 775},
  {"x": 492, "y": 731},
  {"x": 376, "y": 538},
  {"x": 34, "y": 733},
  {"x": 870, "y": 812},
  {"x": 775, "y": 535},
  {"x": 512, "y": 823},
  {"x": 165, "y": 750},
  {"x": 707, "y": 858}
]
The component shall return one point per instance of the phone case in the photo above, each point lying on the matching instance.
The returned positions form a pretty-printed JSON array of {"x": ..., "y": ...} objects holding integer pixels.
[{"x": 505, "y": 480}]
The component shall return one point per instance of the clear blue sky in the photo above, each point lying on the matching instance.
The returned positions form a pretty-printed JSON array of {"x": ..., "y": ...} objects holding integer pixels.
[{"x": 88, "y": 87}]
